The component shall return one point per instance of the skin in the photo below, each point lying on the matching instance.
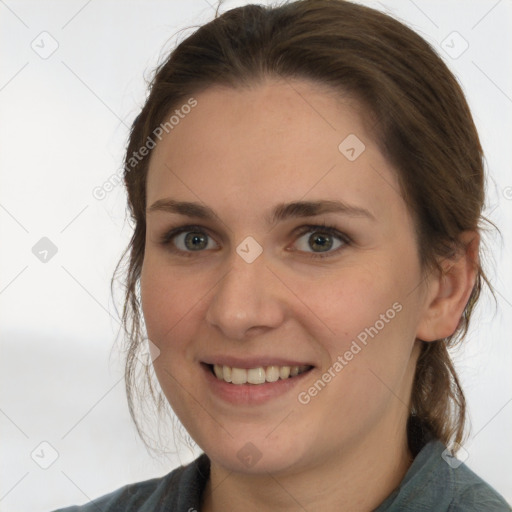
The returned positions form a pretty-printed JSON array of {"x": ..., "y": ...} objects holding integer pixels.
[{"x": 241, "y": 152}]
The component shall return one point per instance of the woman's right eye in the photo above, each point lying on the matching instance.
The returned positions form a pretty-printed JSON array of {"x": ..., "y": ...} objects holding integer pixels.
[{"x": 187, "y": 240}]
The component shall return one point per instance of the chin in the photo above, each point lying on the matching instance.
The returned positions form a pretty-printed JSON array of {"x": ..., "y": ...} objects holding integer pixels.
[{"x": 256, "y": 455}]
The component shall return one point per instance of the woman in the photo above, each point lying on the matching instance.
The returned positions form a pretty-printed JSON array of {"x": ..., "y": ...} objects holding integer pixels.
[{"x": 306, "y": 184}]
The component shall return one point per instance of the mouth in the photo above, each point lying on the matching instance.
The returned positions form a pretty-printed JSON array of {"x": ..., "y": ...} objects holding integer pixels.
[{"x": 258, "y": 375}]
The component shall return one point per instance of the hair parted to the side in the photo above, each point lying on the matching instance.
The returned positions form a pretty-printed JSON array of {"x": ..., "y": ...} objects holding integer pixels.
[{"x": 421, "y": 123}]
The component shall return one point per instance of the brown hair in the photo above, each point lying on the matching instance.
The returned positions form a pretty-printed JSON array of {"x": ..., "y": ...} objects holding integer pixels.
[{"x": 422, "y": 125}]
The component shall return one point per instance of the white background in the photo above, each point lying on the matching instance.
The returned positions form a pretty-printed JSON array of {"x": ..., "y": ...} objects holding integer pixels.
[{"x": 63, "y": 126}]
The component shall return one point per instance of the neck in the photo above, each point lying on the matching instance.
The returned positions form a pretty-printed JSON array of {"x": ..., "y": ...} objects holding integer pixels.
[{"x": 340, "y": 483}]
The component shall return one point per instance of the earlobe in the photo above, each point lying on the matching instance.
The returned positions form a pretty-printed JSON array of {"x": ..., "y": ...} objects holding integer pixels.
[{"x": 449, "y": 291}]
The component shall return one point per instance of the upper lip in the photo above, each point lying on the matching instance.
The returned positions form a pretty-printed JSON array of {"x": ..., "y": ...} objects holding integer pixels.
[{"x": 253, "y": 362}]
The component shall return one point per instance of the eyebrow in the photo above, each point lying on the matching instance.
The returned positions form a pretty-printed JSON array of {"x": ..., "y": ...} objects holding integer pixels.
[{"x": 279, "y": 213}]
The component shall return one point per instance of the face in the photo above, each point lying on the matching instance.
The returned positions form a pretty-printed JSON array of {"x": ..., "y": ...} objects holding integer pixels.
[{"x": 252, "y": 281}]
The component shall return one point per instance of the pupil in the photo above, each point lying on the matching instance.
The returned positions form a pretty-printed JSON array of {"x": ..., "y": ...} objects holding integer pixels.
[
  {"x": 194, "y": 238},
  {"x": 324, "y": 246}
]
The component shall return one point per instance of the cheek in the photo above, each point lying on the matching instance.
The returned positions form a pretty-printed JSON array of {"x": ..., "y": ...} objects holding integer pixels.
[
  {"x": 342, "y": 305},
  {"x": 166, "y": 298},
  {"x": 363, "y": 316}
]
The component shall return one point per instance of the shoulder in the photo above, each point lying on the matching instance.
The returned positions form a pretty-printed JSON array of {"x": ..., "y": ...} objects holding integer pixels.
[
  {"x": 178, "y": 490},
  {"x": 438, "y": 481},
  {"x": 472, "y": 493}
]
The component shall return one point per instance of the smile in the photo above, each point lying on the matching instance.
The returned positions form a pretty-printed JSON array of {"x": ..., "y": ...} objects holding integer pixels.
[{"x": 259, "y": 375}]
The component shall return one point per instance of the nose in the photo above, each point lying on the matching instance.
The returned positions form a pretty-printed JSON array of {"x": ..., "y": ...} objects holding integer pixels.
[{"x": 247, "y": 301}]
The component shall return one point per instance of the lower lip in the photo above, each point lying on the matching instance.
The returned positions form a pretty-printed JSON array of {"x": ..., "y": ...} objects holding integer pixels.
[{"x": 250, "y": 394}]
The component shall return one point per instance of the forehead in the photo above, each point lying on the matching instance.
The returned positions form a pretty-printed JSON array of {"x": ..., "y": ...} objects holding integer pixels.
[{"x": 279, "y": 140}]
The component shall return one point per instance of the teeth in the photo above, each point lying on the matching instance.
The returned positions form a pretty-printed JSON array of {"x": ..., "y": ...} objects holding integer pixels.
[
  {"x": 218, "y": 371},
  {"x": 284, "y": 372},
  {"x": 272, "y": 374},
  {"x": 258, "y": 375},
  {"x": 226, "y": 372},
  {"x": 238, "y": 376}
]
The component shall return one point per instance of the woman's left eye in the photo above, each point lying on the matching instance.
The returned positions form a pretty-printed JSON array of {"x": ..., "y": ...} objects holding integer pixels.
[
  {"x": 196, "y": 239},
  {"x": 324, "y": 238}
]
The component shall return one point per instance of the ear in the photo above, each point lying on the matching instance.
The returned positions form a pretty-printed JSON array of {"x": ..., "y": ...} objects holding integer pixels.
[{"x": 449, "y": 292}]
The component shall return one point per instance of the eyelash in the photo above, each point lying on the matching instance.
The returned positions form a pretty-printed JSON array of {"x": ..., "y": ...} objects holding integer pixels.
[{"x": 323, "y": 228}]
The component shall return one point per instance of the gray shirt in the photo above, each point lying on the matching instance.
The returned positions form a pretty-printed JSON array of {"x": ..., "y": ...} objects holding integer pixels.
[{"x": 434, "y": 482}]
